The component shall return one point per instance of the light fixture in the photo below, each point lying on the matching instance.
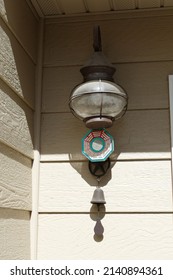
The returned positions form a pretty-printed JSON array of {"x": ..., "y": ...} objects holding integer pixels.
[{"x": 98, "y": 101}]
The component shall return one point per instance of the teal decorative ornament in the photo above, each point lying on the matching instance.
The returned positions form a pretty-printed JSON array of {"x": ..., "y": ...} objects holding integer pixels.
[{"x": 97, "y": 145}]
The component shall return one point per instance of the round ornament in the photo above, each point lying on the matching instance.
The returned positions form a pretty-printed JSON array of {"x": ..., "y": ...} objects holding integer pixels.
[{"x": 97, "y": 145}]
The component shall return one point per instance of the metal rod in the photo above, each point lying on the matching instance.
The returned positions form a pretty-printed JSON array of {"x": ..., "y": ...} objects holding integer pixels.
[{"x": 97, "y": 44}]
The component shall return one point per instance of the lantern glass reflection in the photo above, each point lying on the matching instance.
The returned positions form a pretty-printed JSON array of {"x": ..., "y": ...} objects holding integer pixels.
[{"x": 98, "y": 99}]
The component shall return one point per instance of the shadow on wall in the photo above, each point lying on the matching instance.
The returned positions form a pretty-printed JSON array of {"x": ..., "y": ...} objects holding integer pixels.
[
  {"x": 82, "y": 167},
  {"x": 97, "y": 211},
  {"x": 19, "y": 58},
  {"x": 139, "y": 134}
]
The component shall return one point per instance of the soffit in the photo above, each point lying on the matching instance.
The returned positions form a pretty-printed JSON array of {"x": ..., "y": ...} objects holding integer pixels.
[{"x": 51, "y": 8}]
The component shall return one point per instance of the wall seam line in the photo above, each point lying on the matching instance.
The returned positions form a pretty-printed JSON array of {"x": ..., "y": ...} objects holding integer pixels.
[
  {"x": 27, "y": 155},
  {"x": 25, "y": 102},
  {"x": 37, "y": 134},
  {"x": 170, "y": 77},
  {"x": 115, "y": 63}
]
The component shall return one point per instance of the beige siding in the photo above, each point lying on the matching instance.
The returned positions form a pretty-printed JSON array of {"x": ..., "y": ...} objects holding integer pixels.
[
  {"x": 144, "y": 187},
  {"x": 18, "y": 33},
  {"x": 16, "y": 68},
  {"x": 15, "y": 179},
  {"x": 124, "y": 40},
  {"x": 139, "y": 182},
  {"x": 16, "y": 121},
  {"x": 140, "y": 134},
  {"x": 146, "y": 84},
  {"x": 23, "y": 24},
  {"x": 14, "y": 234},
  {"x": 126, "y": 236}
]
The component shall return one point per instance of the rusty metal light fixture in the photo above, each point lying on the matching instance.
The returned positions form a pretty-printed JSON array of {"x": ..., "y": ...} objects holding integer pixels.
[{"x": 98, "y": 101}]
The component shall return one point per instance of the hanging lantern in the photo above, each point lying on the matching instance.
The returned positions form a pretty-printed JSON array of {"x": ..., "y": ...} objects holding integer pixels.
[{"x": 98, "y": 101}]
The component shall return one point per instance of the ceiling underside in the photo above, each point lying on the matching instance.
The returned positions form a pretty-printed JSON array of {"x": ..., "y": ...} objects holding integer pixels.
[{"x": 48, "y": 8}]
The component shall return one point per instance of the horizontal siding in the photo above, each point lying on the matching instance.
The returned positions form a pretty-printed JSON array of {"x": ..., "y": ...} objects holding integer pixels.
[
  {"x": 15, "y": 179},
  {"x": 21, "y": 20},
  {"x": 14, "y": 234},
  {"x": 16, "y": 67},
  {"x": 145, "y": 83},
  {"x": 137, "y": 236},
  {"x": 18, "y": 33},
  {"x": 128, "y": 186},
  {"x": 139, "y": 135},
  {"x": 140, "y": 181},
  {"x": 58, "y": 83},
  {"x": 16, "y": 121},
  {"x": 124, "y": 40}
]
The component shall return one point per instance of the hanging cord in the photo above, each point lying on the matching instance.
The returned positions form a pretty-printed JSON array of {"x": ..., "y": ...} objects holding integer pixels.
[{"x": 98, "y": 181}]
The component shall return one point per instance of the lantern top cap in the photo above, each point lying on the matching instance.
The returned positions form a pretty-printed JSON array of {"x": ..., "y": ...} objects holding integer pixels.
[{"x": 98, "y": 66}]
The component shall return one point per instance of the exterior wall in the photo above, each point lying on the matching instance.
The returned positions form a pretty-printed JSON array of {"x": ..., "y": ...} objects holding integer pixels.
[
  {"x": 138, "y": 188},
  {"x": 18, "y": 33}
]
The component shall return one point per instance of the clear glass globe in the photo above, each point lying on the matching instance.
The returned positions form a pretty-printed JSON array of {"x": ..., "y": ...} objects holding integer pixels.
[{"x": 98, "y": 98}]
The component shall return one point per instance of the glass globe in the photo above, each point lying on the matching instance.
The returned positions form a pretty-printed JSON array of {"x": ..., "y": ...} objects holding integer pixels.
[{"x": 98, "y": 99}]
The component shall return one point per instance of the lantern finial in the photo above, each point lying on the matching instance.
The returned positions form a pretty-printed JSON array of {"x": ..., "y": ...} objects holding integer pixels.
[{"x": 97, "y": 44}]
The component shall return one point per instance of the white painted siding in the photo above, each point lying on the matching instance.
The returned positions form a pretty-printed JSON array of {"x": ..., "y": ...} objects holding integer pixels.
[{"x": 18, "y": 33}]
